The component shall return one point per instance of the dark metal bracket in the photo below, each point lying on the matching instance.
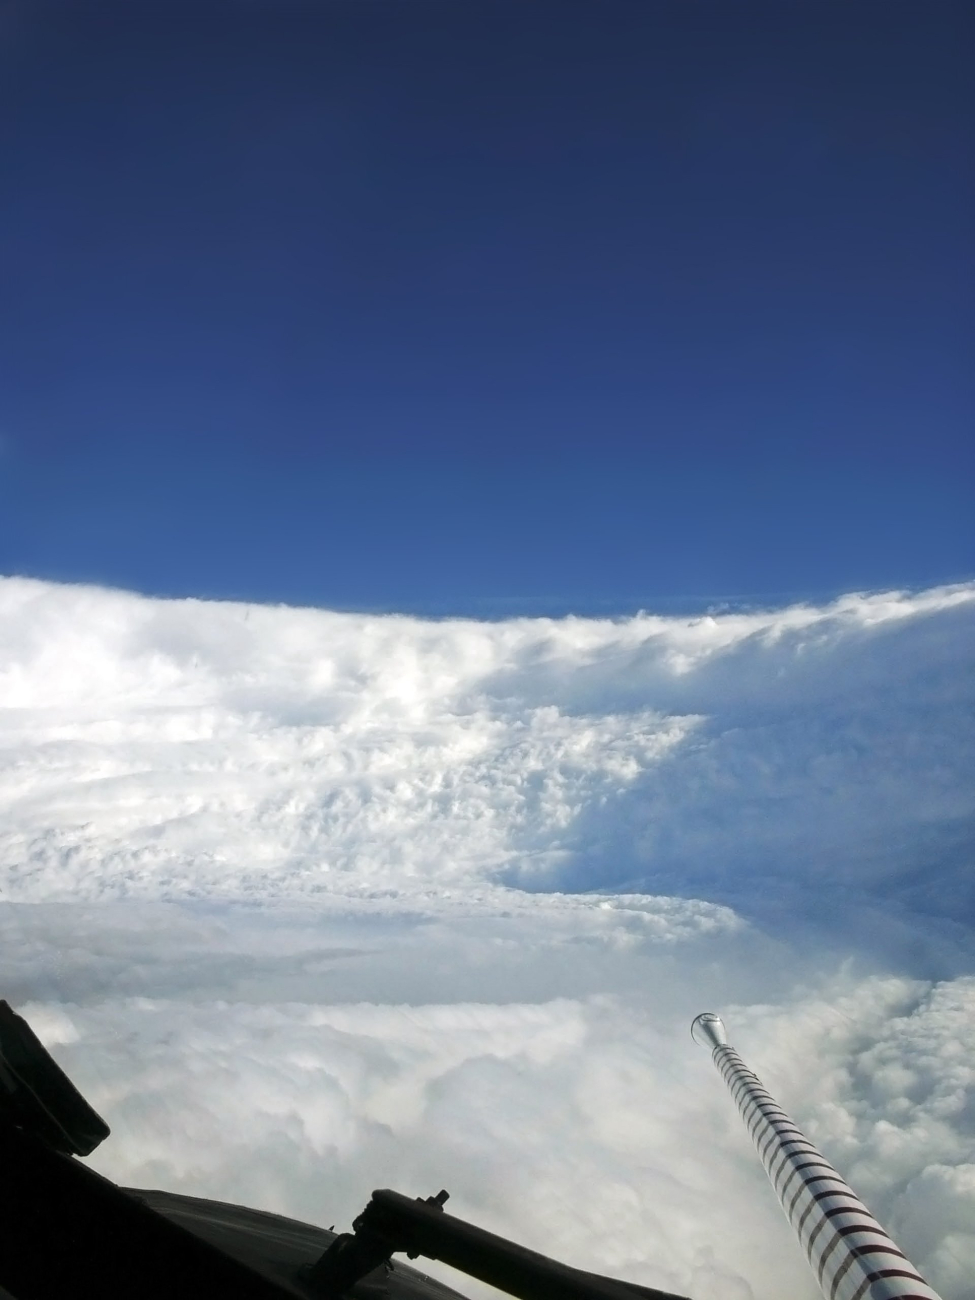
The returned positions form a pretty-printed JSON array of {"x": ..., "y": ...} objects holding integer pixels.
[{"x": 393, "y": 1223}]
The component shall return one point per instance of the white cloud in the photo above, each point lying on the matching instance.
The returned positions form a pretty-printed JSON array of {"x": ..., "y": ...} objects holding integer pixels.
[
  {"x": 590, "y": 1128},
  {"x": 296, "y": 896},
  {"x": 192, "y": 749}
]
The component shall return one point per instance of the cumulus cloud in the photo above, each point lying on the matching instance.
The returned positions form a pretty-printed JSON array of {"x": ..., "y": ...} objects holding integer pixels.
[
  {"x": 593, "y": 1128},
  {"x": 311, "y": 902}
]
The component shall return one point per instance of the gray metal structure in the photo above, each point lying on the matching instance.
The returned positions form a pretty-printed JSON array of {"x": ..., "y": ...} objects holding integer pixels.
[{"x": 849, "y": 1252}]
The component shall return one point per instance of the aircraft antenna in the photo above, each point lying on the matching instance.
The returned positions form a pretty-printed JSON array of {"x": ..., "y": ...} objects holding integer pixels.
[{"x": 851, "y": 1255}]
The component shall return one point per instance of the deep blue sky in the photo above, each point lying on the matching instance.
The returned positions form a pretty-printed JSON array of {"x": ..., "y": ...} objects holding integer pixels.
[{"x": 485, "y": 305}]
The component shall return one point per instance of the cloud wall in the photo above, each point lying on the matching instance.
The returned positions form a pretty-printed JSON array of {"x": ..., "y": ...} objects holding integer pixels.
[{"x": 312, "y": 902}]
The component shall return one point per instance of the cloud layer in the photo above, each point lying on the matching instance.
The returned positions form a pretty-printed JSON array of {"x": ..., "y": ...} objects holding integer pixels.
[
  {"x": 191, "y": 749},
  {"x": 311, "y": 902}
]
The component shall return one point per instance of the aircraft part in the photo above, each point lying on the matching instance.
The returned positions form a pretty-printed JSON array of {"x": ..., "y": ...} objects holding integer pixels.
[{"x": 851, "y": 1255}]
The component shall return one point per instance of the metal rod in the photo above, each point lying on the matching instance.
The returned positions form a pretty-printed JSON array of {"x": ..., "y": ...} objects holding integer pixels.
[
  {"x": 392, "y": 1222},
  {"x": 849, "y": 1252}
]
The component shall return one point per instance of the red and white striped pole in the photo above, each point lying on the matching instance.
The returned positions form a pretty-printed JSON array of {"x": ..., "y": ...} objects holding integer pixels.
[{"x": 848, "y": 1250}]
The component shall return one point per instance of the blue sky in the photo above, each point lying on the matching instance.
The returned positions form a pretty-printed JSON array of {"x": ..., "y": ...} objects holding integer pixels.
[{"x": 486, "y": 307}]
